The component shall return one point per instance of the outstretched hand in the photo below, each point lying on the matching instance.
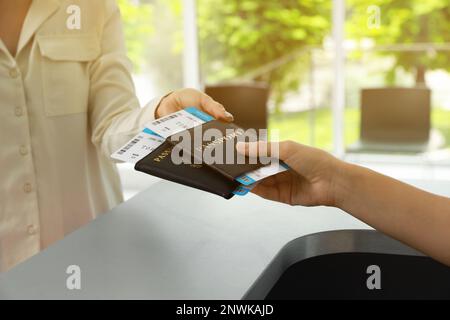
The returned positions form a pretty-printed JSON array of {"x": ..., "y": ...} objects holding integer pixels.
[
  {"x": 309, "y": 182},
  {"x": 184, "y": 98}
]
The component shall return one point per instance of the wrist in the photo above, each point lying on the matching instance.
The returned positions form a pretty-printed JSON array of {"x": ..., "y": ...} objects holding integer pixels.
[{"x": 344, "y": 183}]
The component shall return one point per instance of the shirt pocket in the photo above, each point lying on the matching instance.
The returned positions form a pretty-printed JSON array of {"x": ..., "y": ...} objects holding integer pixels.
[{"x": 65, "y": 72}]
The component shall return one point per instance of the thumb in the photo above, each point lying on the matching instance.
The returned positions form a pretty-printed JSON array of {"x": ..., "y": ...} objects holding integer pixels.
[
  {"x": 278, "y": 150},
  {"x": 306, "y": 161}
]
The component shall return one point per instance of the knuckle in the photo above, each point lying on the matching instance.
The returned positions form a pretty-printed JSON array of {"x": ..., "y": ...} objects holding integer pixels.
[{"x": 289, "y": 144}]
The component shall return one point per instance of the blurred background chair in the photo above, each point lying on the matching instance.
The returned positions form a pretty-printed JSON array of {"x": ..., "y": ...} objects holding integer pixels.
[
  {"x": 396, "y": 120},
  {"x": 247, "y": 102}
]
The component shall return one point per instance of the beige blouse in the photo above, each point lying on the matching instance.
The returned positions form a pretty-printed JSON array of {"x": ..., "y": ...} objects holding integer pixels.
[{"x": 67, "y": 102}]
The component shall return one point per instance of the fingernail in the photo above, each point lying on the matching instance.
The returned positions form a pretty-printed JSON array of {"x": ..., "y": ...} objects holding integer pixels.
[{"x": 229, "y": 115}]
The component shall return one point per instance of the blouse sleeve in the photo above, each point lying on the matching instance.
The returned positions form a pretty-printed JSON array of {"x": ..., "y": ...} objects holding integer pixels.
[{"x": 114, "y": 111}]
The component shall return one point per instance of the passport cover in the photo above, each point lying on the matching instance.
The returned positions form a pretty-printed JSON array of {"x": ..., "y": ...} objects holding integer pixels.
[
  {"x": 227, "y": 133},
  {"x": 159, "y": 164},
  {"x": 214, "y": 178}
]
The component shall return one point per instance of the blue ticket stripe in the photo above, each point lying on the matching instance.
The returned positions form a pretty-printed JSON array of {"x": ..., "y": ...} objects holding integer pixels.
[
  {"x": 241, "y": 191},
  {"x": 284, "y": 165},
  {"x": 148, "y": 131},
  {"x": 245, "y": 180},
  {"x": 199, "y": 114}
]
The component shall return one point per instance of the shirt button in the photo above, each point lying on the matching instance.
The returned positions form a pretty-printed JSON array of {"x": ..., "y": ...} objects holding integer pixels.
[
  {"x": 27, "y": 187},
  {"x": 14, "y": 73},
  {"x": 18, "y": 111},
  {"x": 23, "y": 150},
  {"x": 32, "y": 230}
]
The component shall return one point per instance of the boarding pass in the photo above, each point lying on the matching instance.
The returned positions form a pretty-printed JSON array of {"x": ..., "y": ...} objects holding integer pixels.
[
  {"x": 253, "y": 177},
  {"x": 155, "y": 132}
]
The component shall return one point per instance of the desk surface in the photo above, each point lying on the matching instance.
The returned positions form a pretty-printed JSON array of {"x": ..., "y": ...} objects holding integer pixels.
[{"x": 173, "y": 242}]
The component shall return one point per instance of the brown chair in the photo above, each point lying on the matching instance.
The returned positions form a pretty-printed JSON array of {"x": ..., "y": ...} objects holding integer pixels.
[
  {"x": 396, "y": 115},
  {"x": 247, "y": 102},
  {"x": 396, "y": 120}
]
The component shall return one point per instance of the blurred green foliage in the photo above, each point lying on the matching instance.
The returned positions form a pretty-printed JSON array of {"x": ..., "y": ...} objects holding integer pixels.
[
  {"x": 295, "y": 126},
  {"x": 239, "y": 36},
  {"x": 137, "y": 17},
  {"x": 405, "y": 22}
]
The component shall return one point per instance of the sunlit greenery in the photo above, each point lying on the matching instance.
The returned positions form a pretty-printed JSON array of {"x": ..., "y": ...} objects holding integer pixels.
[
  {"x": 295, "y": 126},
  {"x": 137, "y": 19},
  {"x": 154, "y": 38},
  {"x": 405, "y": 22},
  {"x": 240, "y": 36}
]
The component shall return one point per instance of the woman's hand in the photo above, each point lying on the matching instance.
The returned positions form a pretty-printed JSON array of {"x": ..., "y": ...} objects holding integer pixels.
[
  {"x": 312, "y": 180},
  {"x": 184, "y": 98},
  {"x": 415, "y": 217}
]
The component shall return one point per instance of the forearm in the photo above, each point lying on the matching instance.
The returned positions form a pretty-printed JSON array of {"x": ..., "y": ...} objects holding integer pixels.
[
  {"x": 110, "y": 133},
  {"x": 415, "y": 217}
]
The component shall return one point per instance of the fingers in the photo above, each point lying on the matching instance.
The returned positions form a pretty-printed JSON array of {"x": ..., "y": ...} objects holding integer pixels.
[
  {"x": 215, "y": 109},
  {"x": 267, "y": 192},
  {"x": 193, "y": 98},
  {"x": 280, "y": 150}
]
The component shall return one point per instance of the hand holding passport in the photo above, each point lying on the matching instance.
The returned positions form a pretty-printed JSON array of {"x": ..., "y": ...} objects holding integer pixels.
[{"x": 192, "y": 148}]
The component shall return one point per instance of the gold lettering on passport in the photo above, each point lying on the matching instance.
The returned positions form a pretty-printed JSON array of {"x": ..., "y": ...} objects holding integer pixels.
[
  {"x": 228, "y": 137},
  {"x": 163, "y": 155}
]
